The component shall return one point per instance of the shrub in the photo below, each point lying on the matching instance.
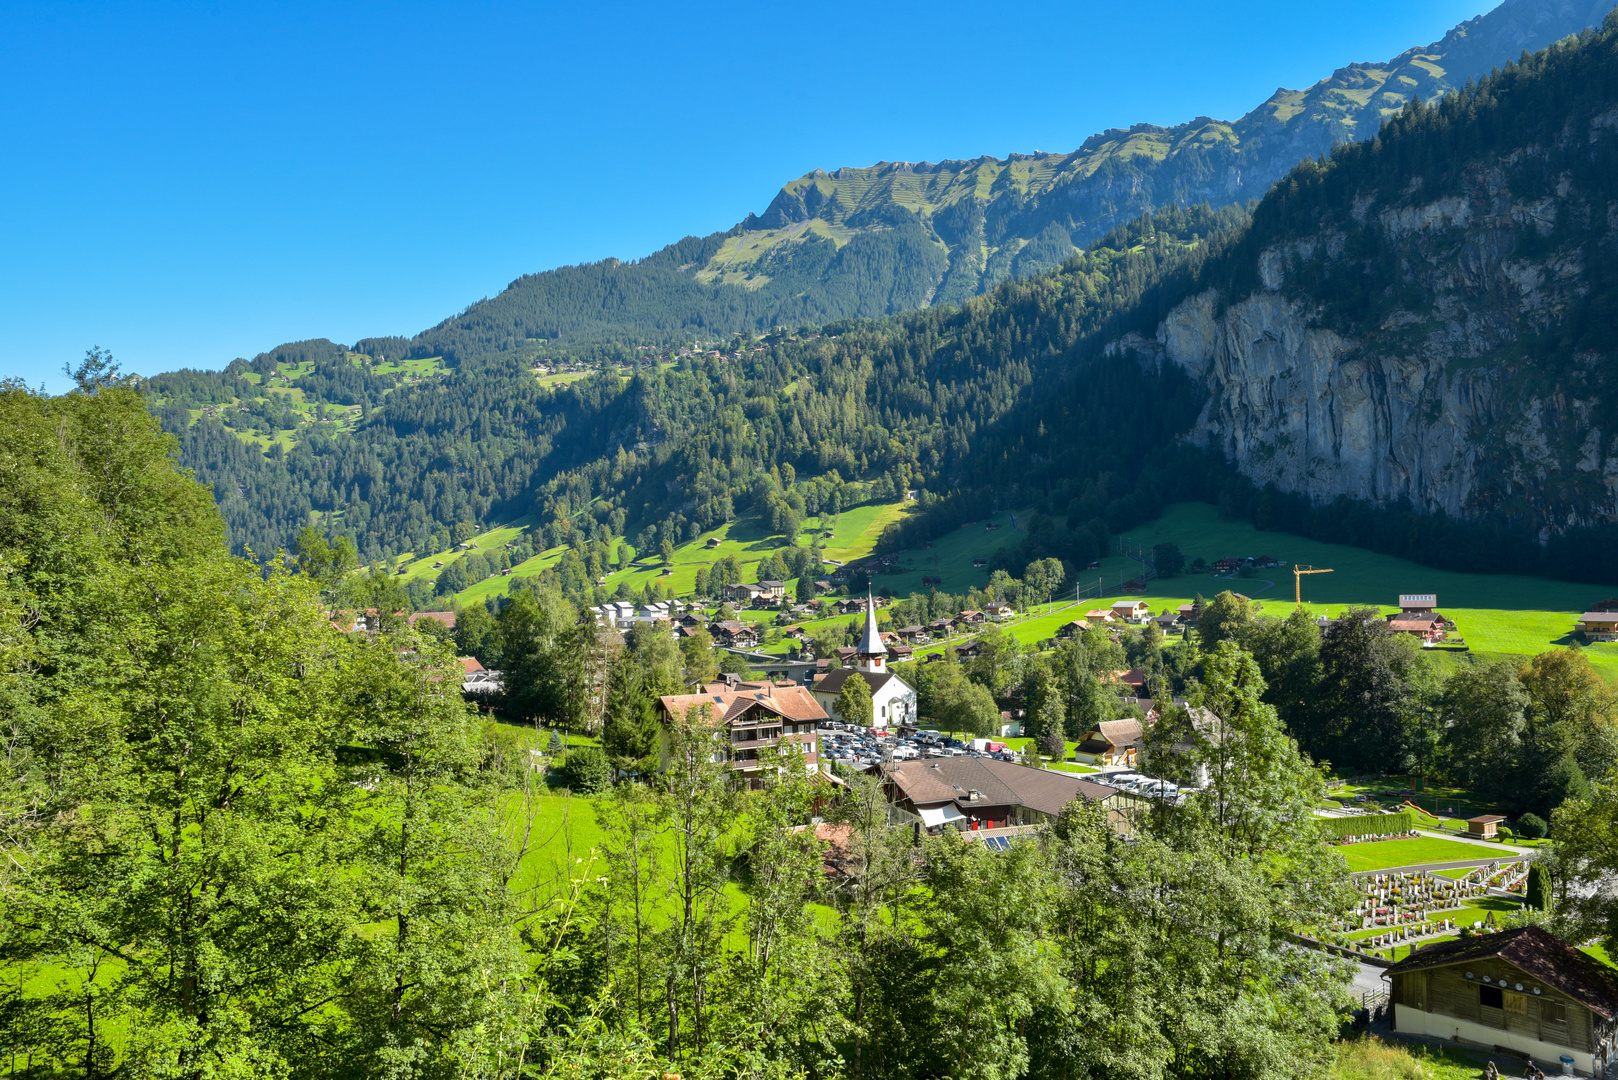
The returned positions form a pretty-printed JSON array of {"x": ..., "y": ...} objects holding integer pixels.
[
  {"x": 586, "y": 770},
  {"x": 1053, "y": 746},
  {"x": 1532, "y": 826}
]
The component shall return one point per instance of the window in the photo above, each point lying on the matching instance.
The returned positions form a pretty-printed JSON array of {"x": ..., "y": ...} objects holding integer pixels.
[
  {"x": 1516, "y": 1004},
  {"x": 1552, "y": 1012},
  {"x": 1491, "y": 996}
]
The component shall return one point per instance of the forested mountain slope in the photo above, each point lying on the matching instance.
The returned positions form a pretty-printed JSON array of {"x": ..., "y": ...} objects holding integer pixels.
[
  {"x": 1408, "y": 348},
  {"x": 862, "y": 242},
  {"x": 1430, "y": 317}
]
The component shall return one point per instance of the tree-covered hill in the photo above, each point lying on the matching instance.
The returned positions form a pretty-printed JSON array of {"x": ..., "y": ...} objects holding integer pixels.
[
  {"x": 890, "y": 237},
  {"x": 1454, "y": 273}
]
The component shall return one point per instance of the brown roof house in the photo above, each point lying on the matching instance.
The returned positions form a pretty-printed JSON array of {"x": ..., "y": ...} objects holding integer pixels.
[
  {"x": 754, "y": 715},
  {"x": 1519, "y": 990},
  {"x": 1111, "y": 742},
  {"x": 984, "y": 793}
]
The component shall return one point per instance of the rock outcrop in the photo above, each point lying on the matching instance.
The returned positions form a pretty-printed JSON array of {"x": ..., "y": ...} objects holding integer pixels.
[{"x": 1465, "y": 388}]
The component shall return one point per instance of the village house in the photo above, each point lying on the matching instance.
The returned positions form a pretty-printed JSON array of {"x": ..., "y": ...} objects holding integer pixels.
[
  {"x": 1521, "y": 991},
  {"x": 893, "y": 701},
  {"x": 940, "y": 627},
  {"x": 983, "y": 793},
  {"x": 754, "y": 716},
  {"x": 1111, "y": 742},
  {"x": 1073, "y": 629},
  {"x": 445, "y": 617},
  {"x": 1427, "y": 627},
  {"x": 1226, "y": 566},
  {"x": 969, "y": 651},
  {"x": 999, "y": 610},
  {"x": 913, "y": 635},
  {"x": 1418, "y": 604},
  {"x": 733, "y": 634},
  {"x": 773, "y": 590},
  {"x": 971, "y": 617},
  {"x": 1599, "y": 625},
  {"x": 743, "y": 591},
  {"x": 1133, "y": 611},
  {"x": 1101, "y": 615}
]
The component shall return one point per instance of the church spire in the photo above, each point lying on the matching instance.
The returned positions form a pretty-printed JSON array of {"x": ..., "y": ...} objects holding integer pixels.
[{"x": 872, "y": 653}]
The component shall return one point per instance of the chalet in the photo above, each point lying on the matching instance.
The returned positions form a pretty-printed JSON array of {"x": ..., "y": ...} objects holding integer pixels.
[
  {"x": 795, "y": 632},
  {"x": 966, "y": 793},
  {"x": 1226, "y": 566},
  {"x": 1134, "y": 585},
  {"x": 743, "y": 592},
  {"x": 1132, "y": 610},
  {"x": 1266, "y": 561},
  {"x": 1521, "y": 991},
  {"x": 940, "y": 627},
  {"x": 773, "y": 590},
  {"x": 914, "y": 635},
  {"x": 1425, "y": 626},
  {"x": 1073, "y": 629},
  {"x": 1134, "y": 678},
  {"x": 931, "y": 580},
  {"x": 822, "y": 585},
  {"x": 1599, "y": 625},
  {"x": 733, "y": 634},
  {"x": 971, "y": 617},
  {"x": 1418, "y": 604},
  {"x": 1111, "y": 742},
  {"x": 970, "y": 651},
  {"x": 900, "y": 653},
  {"x": 1101, "y": 615},
  {"x": 1169, "y": 622},
  {"x": 445, "y": 617},
  {"x": 845, "y": 654},
  {"x": 753, "y": 718},
  {"x": 1188, "y": 612},
  {"x": 999, "y": 610}
]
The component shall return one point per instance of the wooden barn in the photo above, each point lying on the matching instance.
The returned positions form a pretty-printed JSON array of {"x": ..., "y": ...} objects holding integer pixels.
[{"x": 1520, "y": 990}]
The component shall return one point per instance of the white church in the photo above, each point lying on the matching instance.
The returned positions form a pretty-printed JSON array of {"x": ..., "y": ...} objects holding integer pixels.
[{"x": 893, "y": 701}]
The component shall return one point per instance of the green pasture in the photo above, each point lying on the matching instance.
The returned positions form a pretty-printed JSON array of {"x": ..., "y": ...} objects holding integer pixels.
[{"x": 1418, "y": 851}]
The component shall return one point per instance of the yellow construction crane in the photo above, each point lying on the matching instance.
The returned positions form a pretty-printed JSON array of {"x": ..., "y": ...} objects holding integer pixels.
[{"x": 1297, "y": 581}]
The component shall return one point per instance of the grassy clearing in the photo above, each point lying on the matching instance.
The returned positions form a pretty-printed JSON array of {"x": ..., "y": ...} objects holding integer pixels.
[
  {"x": 1386, "y": 854},
  {"x": 1370, "y": 1058}
]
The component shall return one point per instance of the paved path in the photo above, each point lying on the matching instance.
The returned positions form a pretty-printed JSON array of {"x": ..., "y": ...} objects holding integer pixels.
[
  {"x": 1511, "y": 850},
  {"x": 1418, "y": 867}
]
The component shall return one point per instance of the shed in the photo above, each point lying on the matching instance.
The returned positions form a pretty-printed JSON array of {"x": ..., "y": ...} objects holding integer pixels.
[{"x": 1483, "y": 825}]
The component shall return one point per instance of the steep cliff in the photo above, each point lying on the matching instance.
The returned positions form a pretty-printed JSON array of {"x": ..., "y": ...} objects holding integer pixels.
[{"x": 1431, "y": 317}]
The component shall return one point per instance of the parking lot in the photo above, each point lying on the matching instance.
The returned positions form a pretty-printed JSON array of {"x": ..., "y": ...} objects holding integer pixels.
[{"x": 861, "y": 747}]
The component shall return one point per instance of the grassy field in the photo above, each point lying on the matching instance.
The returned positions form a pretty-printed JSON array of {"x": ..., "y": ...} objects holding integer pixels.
[
  {"x": 1497, "y": 614},
  {"x": 1386, "y": 854}
]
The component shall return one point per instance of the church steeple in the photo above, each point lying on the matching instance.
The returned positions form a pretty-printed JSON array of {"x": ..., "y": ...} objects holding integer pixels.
[{"x": 872, "y": 654}]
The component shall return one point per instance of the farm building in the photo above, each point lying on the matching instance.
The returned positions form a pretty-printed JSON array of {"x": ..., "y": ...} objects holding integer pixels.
[
  {"x": 1521, "y": 991},
  {"x": 1599, "y": 625},
  {"x": 1418, "y": 603}
]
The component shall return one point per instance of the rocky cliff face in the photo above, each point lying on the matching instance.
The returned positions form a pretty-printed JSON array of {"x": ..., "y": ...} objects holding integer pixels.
[{"x": 1469, "y": 385}]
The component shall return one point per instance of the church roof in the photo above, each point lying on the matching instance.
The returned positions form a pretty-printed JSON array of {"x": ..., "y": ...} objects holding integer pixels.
[{"x": 871, "y": 641}]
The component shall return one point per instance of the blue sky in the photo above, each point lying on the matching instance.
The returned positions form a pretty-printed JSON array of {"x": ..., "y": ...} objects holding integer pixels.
[{"x": 184, "y": 184}]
